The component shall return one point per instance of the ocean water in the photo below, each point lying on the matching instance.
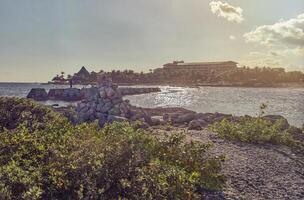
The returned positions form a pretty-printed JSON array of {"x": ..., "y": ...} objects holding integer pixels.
[
  {"x": 22, "y": 89},
  {"x": 288, "y": 102}
]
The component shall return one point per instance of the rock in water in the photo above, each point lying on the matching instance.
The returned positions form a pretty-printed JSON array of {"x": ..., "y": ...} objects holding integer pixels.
[{"x": 38, "y": 94}]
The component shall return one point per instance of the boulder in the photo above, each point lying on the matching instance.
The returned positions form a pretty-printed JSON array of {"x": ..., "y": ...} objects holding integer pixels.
[
  {"x": 197, "y": 124},
  {"x": 38, "y": 94},
  {"x": 275, "y": 118},
  {"x": 186, "y": 118},
  {"x": 156, "y": 120}
]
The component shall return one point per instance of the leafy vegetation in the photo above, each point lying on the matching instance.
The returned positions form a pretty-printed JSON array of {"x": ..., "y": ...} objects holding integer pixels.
[
  {"x": 256, "y": 130},
  {"x": 43, "y": 156},
  {"x": 252, "y": 130}
]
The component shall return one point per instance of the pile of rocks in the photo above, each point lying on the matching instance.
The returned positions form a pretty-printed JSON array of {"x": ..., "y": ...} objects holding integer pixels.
[{"x": 103, "y": 103}]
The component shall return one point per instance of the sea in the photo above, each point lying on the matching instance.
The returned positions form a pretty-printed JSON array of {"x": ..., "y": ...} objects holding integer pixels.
[{"x": 288, "y": 102}]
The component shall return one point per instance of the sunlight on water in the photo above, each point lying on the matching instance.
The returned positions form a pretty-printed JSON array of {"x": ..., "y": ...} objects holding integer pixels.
[{"x": 288, "y": 102}]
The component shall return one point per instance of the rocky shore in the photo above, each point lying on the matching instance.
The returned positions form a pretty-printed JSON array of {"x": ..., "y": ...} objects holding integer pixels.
[{"x": 105, "y": 104}]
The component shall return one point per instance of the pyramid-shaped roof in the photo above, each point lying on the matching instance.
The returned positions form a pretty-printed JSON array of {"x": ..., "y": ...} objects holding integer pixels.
[{"x": 83, "y": 72}]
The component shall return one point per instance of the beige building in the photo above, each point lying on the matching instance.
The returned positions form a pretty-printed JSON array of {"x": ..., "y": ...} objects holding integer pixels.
[{"x": 202, "y": 69}]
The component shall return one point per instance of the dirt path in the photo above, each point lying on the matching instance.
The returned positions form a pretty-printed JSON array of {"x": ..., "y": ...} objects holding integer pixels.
[{"x": 256, "y": 171}]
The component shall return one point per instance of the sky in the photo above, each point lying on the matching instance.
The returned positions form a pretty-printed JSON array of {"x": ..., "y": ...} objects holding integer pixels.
[{"x": 39, "y": 38}]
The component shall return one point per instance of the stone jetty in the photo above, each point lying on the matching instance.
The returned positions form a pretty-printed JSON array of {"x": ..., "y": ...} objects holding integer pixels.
[{"x": 75, "y": 94}]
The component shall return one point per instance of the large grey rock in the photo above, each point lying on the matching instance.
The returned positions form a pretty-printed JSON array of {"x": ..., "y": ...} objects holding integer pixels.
[
  {"x": 185, "y": 118},
  {"x": 275, "y": 118},
  {"x": 197, "y": 124},
  {"x": 156, "y": 120},
  {"x": 38, "y": 94}
]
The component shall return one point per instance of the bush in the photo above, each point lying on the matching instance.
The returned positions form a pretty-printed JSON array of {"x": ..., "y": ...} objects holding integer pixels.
[
  {"x": 253, "y": 130},
  {"x": 16, "y": 111},
  {"x": 61, "y": 161}
]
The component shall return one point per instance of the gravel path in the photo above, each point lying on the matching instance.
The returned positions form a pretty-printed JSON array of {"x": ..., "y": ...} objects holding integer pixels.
[{"x": 256, "y": 171}]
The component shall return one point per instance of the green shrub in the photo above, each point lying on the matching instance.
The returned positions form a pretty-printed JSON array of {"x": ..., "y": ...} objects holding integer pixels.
[
  {"x": 61, "y": 161},
  {"x": 16, "y": 111},
  {"x": 253, "y": 130}
]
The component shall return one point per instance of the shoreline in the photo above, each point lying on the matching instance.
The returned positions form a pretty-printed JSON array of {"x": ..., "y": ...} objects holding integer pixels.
[{"x": 283, "y": 85}]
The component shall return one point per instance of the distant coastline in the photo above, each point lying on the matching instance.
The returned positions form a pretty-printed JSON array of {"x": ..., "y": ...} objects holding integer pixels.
[
  {"x": 180, "y": 73},
  {"x": 255, "y": 85}
]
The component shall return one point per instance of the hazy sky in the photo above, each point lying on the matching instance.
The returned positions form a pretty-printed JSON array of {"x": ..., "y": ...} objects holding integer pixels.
[{"x": 40, "y": 38}]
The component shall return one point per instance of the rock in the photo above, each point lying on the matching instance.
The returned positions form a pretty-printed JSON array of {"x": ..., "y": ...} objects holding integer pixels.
[
  {"x": 156, "y": 120},
  {"x": 104, "y": 103},
  {"x": 88, "y": 93},
  {"x": 134, "y": 91},
  {"x": 102, "y": 94},
  {"x": 166, "y": 117},
  {"x": 106, "y": 107},
  {"x": 275, "y": 118},
  {"x": 68, "y": 94},
  {"x": 55, "y": 94},
  {"x": 114, "y": 111},
  {"x": 186, "y": 118},
  {"x": 99, "y": 115},
  {"x": 38, "y": 94},
  {"x": 113, "y": 118},
  {"x": 197, "y": 124},
  {"x": 116, "y": 101},
  {"x": 170, "y": 116},
  {"x": 99, "y": 107},
  {"x": 109, "y": 92}
]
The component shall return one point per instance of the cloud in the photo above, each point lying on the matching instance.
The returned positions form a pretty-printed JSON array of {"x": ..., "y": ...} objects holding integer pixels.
[
  {"x": 285, "y": 32},
  {"x": 232, "y": 37},
  {"x": 225, "y": 10},
  {"x": 284, "y": 40}
]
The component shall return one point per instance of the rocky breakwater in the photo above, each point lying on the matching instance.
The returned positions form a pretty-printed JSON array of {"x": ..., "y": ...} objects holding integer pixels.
[
  {"x": 68, "y": 94},
  {"x": 105, "y": 104}
]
